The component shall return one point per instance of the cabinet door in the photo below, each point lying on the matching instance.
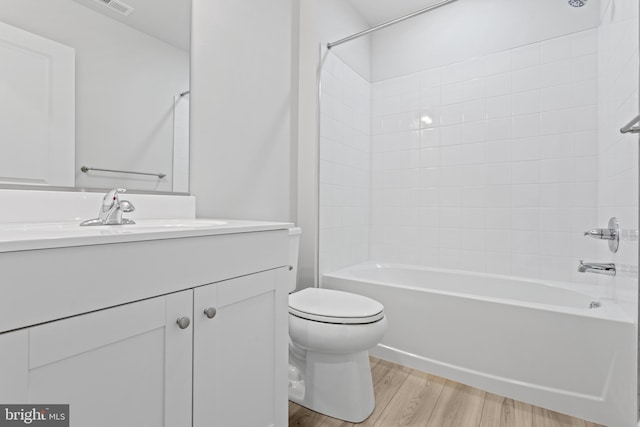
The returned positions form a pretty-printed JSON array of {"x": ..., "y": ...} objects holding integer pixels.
[
  {"x": 125, "y": 366},
  {"x": 240, "y": 355},
  {"x": 14, "y": 360}
]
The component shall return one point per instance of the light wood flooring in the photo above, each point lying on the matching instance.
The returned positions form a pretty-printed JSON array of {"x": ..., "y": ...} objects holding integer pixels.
[{"x": 406, "y": 397}]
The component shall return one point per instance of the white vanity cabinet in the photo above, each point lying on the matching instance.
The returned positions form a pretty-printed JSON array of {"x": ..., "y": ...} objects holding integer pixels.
[
  {"x": 237, "y": 352},
  {"x": 127, "y": 366},
  {"x": 114, "y": 349}
]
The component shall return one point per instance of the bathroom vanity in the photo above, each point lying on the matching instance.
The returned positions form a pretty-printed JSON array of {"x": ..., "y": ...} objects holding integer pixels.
[{"x": 154, "y": 324}]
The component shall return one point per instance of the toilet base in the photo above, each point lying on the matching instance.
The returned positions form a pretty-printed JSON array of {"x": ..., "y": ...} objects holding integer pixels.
[{"x": 341, "y": 384}]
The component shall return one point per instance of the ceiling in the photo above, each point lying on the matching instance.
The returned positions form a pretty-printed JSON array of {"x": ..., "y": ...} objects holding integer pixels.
[
  {"x": 378, "y": 11},
  {"x": 167, "y": 20}
]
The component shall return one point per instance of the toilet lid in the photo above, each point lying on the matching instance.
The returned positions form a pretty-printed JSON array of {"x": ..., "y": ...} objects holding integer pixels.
[{"x": 329, "y": 306}]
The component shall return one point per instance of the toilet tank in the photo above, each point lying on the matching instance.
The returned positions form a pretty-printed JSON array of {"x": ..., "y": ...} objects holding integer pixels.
[{"x": 294, "y": 245}]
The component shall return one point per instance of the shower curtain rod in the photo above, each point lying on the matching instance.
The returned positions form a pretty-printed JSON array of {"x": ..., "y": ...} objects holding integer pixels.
[{"x": 386, "y": 24}]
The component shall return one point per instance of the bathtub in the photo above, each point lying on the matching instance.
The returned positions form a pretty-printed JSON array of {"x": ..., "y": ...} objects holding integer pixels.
[{"x": 527, "y": 340}]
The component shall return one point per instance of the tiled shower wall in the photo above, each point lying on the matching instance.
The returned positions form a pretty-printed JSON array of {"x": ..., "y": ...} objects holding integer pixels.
[
  {"x": 618, "y": 167},
  {"x": 490, "y": 164},
  {"x": 344, "y": 165}
]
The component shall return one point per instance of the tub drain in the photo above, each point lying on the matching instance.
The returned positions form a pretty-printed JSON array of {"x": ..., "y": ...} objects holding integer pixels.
[{"x": 594, "y": 304}]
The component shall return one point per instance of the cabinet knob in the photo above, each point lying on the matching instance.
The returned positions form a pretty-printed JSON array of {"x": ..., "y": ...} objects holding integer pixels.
[
  {"x": 183, "y": 322},
  {"x": 210, "y": 312}
]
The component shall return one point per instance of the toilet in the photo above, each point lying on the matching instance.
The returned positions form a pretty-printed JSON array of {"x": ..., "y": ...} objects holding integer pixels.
[{"x": 330, "y": 333}]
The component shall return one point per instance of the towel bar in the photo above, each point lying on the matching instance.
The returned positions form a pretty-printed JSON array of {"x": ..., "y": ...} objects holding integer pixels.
[{"x": 86, "y": 169}]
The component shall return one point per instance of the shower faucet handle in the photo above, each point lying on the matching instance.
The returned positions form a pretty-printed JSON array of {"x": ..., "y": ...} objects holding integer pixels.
[
  {"x": 612, "y": 234},
  {"x": 601, "y": 233}
]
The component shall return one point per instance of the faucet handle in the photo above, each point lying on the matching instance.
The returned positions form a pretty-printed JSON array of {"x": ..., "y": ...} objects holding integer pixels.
[
  {"x": 601, "y": 233},
  {"x": 612, "y": 234},
  {"x": 112, "y": 196},
  {"x": 126, "y": 206},
  {"x": 117, "y": 191}
]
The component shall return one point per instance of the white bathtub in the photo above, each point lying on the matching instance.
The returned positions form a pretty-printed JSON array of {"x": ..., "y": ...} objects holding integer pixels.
[{"x": 524, "y": 339}]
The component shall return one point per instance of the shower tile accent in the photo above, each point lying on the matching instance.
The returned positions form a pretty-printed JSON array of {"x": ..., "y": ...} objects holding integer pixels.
[
  {"x": 345, "y": 160},
  {"x": 488, "y": 168}
]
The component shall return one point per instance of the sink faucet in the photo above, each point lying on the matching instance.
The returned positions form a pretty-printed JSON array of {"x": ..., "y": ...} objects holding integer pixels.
[
  {"x": 112, "y": 209},
  {"x": 608, "y": 269}
]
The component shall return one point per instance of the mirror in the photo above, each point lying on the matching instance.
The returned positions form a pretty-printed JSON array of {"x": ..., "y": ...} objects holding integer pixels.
[{"x": 130, "y": 104}]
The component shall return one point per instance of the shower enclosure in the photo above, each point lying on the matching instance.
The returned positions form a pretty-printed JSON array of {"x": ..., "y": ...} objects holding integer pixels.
[{"x": 483, "y": 136}]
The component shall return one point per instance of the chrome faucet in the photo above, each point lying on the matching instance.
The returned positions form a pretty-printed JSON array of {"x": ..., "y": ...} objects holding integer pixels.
[
  {"x": 112, "y": 209},
  {"x": 608, "y": 269},
  {"x": 612, "y": 234}
]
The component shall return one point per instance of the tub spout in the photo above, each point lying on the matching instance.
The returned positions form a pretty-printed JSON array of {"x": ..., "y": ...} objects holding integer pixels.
[{"x": 608, "y": 269}]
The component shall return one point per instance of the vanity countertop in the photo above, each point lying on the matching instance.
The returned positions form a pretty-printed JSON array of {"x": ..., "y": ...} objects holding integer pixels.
[{"x": 32, "y": 236}]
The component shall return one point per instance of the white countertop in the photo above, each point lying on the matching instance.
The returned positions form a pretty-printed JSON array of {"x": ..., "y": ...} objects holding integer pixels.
[{"x": 32, "y": 236}]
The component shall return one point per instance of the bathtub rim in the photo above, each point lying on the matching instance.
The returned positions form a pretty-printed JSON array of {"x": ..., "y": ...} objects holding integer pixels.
[{"x": 608, "y": 310}]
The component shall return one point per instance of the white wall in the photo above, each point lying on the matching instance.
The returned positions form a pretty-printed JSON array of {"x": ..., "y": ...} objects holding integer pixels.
[
  {"x": 319, "y": 22},
  {"x": 337, "y": 19},
  {"x": 240, "y": 108},
  {"x": 125, "y": 84},
  {"x": 473, "y": 28},
  {"x": 307, "y": 150},
  {"x": 345, "y": 166}
]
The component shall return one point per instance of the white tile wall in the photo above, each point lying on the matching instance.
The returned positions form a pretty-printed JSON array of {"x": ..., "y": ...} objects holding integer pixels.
[
  {"x": 345, "y": 163},
  {"x": 618, "y": 163},
  {"x": 490, "y": 164}
]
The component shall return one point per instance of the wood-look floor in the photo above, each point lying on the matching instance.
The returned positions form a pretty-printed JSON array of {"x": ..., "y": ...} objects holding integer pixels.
[{"x": 406, "y": 397}]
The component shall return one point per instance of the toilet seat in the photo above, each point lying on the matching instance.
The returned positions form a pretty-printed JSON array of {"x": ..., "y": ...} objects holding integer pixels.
[{"x": 335, "y": 307}]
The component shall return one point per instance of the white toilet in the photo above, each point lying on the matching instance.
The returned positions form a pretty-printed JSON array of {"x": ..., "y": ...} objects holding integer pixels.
[{"x": 330, "y": 333}]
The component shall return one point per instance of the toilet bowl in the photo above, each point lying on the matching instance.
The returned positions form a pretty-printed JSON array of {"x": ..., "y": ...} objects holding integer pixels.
[{"x": 330, "y": 333}]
